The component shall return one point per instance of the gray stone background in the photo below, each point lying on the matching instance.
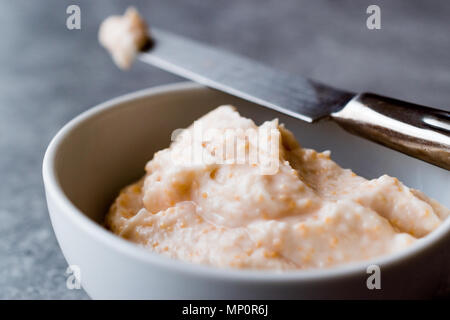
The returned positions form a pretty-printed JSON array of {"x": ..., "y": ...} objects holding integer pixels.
[{"x": 49, "y": 74}]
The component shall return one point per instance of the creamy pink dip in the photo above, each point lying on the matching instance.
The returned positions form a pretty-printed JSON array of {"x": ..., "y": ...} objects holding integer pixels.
[
  {"x": 310, "y": 213},
  {"x": 124, "y": 36}
]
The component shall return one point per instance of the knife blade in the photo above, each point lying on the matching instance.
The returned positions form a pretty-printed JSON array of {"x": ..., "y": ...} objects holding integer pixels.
[
  {"x": 290, "y": 94},
  {"x": 415, "y": 130}
]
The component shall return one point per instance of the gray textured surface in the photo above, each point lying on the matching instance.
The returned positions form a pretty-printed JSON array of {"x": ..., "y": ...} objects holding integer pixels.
[{"x": 49, "y": 74}]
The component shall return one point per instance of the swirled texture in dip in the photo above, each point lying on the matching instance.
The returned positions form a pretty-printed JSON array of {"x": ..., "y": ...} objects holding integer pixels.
[{"x": 310, "y": 214}]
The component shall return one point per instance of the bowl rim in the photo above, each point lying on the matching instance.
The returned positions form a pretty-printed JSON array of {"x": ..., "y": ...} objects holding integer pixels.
[{"x": 81, "y": 221}]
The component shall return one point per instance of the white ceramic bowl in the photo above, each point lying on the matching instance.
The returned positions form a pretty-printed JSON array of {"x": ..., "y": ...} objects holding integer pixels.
[{"x": 106, "y": 147}]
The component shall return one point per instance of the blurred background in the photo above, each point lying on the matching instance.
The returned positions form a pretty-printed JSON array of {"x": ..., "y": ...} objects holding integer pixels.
[{"x": 49, "y": 74}]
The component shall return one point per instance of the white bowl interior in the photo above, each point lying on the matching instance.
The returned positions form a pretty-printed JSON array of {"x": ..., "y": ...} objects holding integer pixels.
[{"x": 110, "y": 147}]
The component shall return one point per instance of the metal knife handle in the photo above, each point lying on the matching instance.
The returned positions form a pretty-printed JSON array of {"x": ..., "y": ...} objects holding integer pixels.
[{"x": 418, "y": 131}]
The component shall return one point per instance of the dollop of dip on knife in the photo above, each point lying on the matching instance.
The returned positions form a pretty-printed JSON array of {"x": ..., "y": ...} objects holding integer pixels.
[{"x": 124, "y": 36}]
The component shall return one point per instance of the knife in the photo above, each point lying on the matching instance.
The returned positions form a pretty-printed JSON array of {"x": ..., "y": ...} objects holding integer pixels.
[{"x": 415, "y": 130}]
